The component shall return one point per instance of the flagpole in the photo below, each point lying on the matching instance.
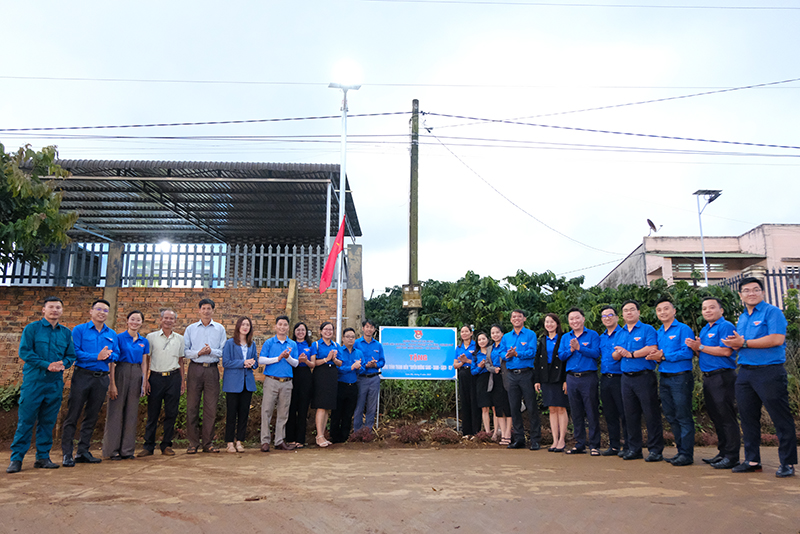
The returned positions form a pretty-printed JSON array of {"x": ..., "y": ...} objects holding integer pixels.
[{"x": 342, "y": 203}]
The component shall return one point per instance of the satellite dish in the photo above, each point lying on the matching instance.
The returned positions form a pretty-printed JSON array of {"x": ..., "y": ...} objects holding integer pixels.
[{"x": 653, "y": 228}]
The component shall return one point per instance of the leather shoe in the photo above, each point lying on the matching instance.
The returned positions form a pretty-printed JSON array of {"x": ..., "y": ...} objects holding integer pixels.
[
  {"x": 115, "y": 458},
  {"x": 725, "y": 463},
  {"x": 682, "y": 460},
  {"x": 671, "y": 459},
  {"x": 622, "y": 453},
  {"x": 145, "y": 452},
  {"x": 87, "y": 458},
  {"x": 745, "y": 467},
  {"x": 785, "y": 471},
  {"x": 535, "y": 446},
  {"x": 168, "y": 452},
  {"x": 630, "y": 455},
  {"x": 15, "y": 466},
  {"x": 516, "y": 445},
  {"x": 69, "y": 461},
  {"x": 265, "y": 447},
  {"x": 45, "y": 463},
  {"x": 654, "y": 457},
  {"x": 713, "y": 460},
  {"x": 611, "y": 451},
  {"x": 282, "y": 446}
]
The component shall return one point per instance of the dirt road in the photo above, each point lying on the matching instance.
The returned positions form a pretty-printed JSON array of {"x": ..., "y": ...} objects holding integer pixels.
[{"x": 352, "y": 488}]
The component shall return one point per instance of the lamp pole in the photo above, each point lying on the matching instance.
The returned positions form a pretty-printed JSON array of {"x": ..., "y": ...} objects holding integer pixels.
[
  {"x": 710, "y": 196},
  {"x": 342, "y": 201}
]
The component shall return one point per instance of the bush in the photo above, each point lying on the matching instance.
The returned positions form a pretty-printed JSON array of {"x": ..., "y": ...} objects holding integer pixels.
[
  {"x": 445, "y": 435},
  {"x": 705, "y": 439},
  {"x": 769, "y": 439},
  {"x": 410, "y": 434},
  {"x": 484, "y": 437},
  {"x": 364, "y": 435},
  {"x": 415, "y": 399},
  {"x": 9, "y": 397}
]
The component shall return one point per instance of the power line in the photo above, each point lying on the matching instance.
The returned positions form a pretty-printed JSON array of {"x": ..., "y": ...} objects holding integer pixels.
[
  {"x": 590, "y": 267},
  {"x": 552, "y": 4},
  {"x": 594, "y": 130},
  {"x": 520, "y": 208}
]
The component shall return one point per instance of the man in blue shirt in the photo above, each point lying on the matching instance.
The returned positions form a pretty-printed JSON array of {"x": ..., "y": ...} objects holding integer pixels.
[
  {"x": 346, "y": 388},
  {"x": 639, "y": 385},
  {"x": 760, "y": 338},
  {"x": 203, "y": 343},
  {"x": 580, "y": 348},
  {"x": 718, "y": 365},
  {"x": 611, "y": 382},
  {"x": 677, "y": 380},
  {"x": 46, "y": 348},
  {"x": 96, "y": 347},
  {"x": 369, "y": 377},
  {"x": 521, "y": 350},
  {"x": 279, "y": 357}
]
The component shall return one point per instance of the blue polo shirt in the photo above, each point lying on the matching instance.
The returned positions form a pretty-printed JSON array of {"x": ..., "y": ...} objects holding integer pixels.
[
  {"x": 477, "y": 357},
  {"x": 585, "y": 358},
  {"x": 765, "y": 320},
  {"x": 677, "y": 355},
  {"x": 550, "y": 346},
  {"x": 303, "y": 348},
  {"x": 525, "y": 345},
  {"x": 41, "y": 345},
  {"x": 272, "y": 348},
  {"x": 349, "y": 357},
  {"x": 608, "y": 365},
  {"x": 88, "y": 344},
  {"x": 131, "y": 351},
  {"x": 370, "y": 350},
  {"x": 468, "y": 352},
  {"x": 320, "y": 349},
  {"x": 711, "y": 336},
  {"x": 641, "y": 335}
]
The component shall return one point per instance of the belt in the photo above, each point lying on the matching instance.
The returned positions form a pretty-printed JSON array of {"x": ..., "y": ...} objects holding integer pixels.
[
  {"x": 204, "y": 364},
  {"x": 611, "y": 375},
  {"x": 675, "y": 374},
  {"x": 583, "y": 373},
  {"x": 638, "y": 373},
  {"x": 716, "y": 372},
  {"x": 370, "y": 376},
  {"x": 519, "y": 371},
  {"x": 279, "y": 378},
  {"x": 168, "y": 373},
  {"x": 758, "y": 366},
  {"x": 93, "y": 373}
]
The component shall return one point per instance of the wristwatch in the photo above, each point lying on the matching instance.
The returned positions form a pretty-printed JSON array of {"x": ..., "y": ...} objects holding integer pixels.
[{"x": 744, "y": 345}]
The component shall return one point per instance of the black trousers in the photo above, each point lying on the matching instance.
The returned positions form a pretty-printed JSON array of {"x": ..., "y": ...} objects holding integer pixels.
[
  {"x": 236, "y": 415},
  {"x": 640, "y": 396},
  {"x": 520, "y": 387},
  {"x": 467, "y": 396},
  {"x": 302, "y": 392},
  {"x": 342, "y": 416},
  {"x": 719, "y": 391},
  {"x": 166, "y": 391},
  {"x": 89, "y": 391},
  {"x": 613, "y": 410}
]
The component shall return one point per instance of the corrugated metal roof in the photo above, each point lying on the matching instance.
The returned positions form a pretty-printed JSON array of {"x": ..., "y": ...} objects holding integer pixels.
[{"x": 190, "y": 201}]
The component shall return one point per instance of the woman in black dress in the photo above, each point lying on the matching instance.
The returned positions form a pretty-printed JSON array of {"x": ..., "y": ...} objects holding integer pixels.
[
  {"x": 550, "y": 377},
  {"x": 326, "y": 378},
  {"x": 302, "y": 387},
  {"x": 481, "y": 378},
  {"x": 502, "y": 408}
]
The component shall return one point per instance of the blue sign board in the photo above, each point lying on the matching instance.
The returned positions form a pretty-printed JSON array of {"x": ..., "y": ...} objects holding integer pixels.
[{"x": 418, "y": 353}]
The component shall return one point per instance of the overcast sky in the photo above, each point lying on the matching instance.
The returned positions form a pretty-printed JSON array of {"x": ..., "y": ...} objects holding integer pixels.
[{"x": 494, "y": 196}]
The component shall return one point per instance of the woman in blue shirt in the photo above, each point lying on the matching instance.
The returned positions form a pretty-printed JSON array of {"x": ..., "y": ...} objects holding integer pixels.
[
  {"x": 481, "y": 379},
  {"x": 326, "y": 378},
  {"x": 302, "y": 388},
  {"x": 470, "y": 418},
  {"x": 239, "y": 358},
  {"x": 550, "y": 377},
  {"x": 502, "y": 409},
  {"x": 127, "y": 382}
]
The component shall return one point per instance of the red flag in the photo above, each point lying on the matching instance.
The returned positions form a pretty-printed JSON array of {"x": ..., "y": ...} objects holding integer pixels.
[{"x": 330, "y": 264}]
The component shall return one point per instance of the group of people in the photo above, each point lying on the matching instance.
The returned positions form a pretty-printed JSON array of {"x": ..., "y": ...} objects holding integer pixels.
[
  {"x": 340, "y": 380},
  {"x": 577, "y": 370}
]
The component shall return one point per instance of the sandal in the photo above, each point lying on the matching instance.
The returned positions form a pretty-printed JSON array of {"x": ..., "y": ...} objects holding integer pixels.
[
  {"x": 299, "y": 445},
  {"x": 210, "y": 448},
  {"x": 191, "y": 450},
  {"x": 505, "y": 442},
  {"x": 322, "y": 442},
  {"x": 575, "y": 450},
  {"x": 594, "y": 452}
]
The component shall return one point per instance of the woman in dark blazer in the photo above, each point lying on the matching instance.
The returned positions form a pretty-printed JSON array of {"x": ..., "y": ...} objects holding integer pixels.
[
  {"x": 239, "y": 357},
  {"x": 550, "y": 377}
]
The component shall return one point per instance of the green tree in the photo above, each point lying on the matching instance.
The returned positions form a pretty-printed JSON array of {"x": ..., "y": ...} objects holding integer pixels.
[{"x": 29, "y": 206}]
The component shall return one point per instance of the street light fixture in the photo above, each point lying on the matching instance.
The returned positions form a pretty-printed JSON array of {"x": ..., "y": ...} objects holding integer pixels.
[
  {"x": 710, "y": 196},
  {"x": 342, "y": 197}
]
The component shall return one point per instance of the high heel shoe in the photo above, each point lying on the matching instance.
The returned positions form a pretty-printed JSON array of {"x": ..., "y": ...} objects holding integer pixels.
[{"x": 322, "y": 442}]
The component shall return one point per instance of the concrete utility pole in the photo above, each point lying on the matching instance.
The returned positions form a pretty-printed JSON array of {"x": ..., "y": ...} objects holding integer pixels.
[{"x": 411, "y": 293}]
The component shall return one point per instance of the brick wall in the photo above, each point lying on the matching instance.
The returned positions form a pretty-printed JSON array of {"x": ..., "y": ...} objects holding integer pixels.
[{"x": 22, "y": 305}]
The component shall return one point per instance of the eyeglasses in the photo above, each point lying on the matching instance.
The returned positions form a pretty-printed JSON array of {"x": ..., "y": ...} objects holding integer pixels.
[
  {"x": 608, "y": 316},
  {"x": 101, "y": 310},
  {"x": 755, "y": 291}
]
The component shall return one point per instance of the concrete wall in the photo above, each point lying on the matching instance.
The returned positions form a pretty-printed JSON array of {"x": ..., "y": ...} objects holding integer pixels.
[{"x": 630, "y": 271}]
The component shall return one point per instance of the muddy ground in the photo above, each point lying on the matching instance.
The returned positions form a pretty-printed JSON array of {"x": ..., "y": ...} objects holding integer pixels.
[{"x": 358, "y": 488}]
